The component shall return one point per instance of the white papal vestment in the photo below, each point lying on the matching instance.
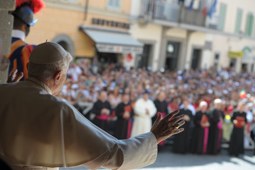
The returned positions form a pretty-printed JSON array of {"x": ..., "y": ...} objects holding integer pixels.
[
  {"x": 142, "y": 120},
  {"x": 39, "y": 130}
]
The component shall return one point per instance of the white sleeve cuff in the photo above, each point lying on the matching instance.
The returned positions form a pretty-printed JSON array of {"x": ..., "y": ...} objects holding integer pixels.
[{"x": 139, "y": 151}]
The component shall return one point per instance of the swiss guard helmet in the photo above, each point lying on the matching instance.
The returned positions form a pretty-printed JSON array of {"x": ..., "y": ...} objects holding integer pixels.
[{"x": 25, "y": 14}]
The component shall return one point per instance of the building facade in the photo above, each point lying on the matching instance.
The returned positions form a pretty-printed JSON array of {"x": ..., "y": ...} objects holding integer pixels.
[
  {"x": 92, "y": 29},
  {"x": 195, "y": 34},
  {"x": 157, "y": 34}
]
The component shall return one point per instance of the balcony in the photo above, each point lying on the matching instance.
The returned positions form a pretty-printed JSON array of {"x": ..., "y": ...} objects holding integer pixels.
[{"x": 171, "y": 11}]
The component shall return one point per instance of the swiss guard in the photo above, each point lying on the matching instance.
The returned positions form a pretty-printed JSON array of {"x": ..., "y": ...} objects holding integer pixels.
[{"x": 23, "y": 20}]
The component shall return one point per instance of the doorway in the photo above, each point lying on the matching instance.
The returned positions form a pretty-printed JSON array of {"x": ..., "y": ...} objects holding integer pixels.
[
  {"x": 64, "y": 44},
  {"x": 172, "y": 54},
  {"x": 232, "y": 63},
  {"x": 108, "y": 58},
  {"x": 196, "y": 59},
  {"x": 244, "y": 67},
  {"x": 146, "y": 56}
]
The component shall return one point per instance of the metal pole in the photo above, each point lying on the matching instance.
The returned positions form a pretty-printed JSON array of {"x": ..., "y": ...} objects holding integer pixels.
[{"x": 86, "y": 9}]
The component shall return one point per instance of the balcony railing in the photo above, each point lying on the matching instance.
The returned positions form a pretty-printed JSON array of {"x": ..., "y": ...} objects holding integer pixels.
[{"x": 171, "y": 11}]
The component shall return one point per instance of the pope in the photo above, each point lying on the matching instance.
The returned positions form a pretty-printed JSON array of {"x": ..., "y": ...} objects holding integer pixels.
[{"x": 41, "y": 131}]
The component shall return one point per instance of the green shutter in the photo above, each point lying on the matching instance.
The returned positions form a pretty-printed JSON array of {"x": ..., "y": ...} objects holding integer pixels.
[
  {"x": 249, "y": 25},
  {"x": 223, "y": 11},
  {"x": 239, "y": 16},
  {"x": 114, "y": 3}
]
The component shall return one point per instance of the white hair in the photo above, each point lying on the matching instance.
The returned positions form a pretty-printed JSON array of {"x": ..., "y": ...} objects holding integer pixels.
[
  {"x": 203, "y": 103},
  {"x": 217, "y": 101}
]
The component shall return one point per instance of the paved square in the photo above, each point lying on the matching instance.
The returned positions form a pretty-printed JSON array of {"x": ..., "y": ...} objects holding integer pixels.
[{"x": 170, "y": 161}]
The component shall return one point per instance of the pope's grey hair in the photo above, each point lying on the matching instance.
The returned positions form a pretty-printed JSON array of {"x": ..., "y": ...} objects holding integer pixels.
[{"x": 45, "y": 72}]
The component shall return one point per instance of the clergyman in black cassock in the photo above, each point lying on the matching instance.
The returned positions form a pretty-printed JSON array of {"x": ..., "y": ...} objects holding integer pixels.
[
  {"x": 102, "y": 110},
  {"x": 253, "y": 137},
  {"x": 215, "y": 130},
  {"x": 236, "y": 144},
  {"x": 161, "y": 105},
  {"x": 182, "y": 142},
  {"x": 124, "y": 113},
  {"x": 201, "y": 130}
]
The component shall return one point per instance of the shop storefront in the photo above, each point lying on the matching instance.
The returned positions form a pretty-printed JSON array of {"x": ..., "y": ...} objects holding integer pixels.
[{"x": 112, "y": 46}]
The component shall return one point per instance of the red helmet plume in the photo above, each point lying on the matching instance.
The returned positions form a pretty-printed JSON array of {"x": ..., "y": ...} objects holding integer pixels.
[{"x": 35, "y": 5}]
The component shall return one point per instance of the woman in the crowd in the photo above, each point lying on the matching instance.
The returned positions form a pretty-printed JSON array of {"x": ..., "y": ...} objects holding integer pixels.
[
  {"x": 201, "y": 130},
  {"x": 173, "y": 104},
  {"x": 114, "y": 98},
  {"x": 236, "y": 144}
]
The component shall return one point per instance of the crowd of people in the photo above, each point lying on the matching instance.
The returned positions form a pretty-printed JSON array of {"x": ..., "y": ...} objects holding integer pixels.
[{"x": 218, "y": 104}]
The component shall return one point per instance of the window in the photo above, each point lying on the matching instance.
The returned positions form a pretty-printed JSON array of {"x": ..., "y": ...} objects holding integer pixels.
[
  {"x": 71, "y": 1},
  {"x": 223, "y": 11},
  {"x": 249, "y": 24},
  {"x": 114, "y": 4},
  {"x": 65, "y": 1},
  {"x": 239, "y": 16},
  {"x": 216, "y": 56}
]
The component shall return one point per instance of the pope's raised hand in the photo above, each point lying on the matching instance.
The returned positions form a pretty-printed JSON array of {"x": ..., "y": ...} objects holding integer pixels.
[{"x": 168, "y": 126}]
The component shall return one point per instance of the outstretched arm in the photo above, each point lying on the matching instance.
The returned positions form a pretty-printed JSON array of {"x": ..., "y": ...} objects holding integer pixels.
[{"x": 96, "y": 148}]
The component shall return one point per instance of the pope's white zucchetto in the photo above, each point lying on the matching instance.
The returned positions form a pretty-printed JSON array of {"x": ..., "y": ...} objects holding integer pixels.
[{"x": 48, "y": 53}]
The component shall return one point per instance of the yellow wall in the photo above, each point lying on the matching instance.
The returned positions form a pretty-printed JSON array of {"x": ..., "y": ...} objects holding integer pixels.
[
  {"x": 59, "y": 17},
  {"x": 125, "y": 6}
]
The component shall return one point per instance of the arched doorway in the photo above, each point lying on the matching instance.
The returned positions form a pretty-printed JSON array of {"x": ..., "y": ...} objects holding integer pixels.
[{"x": 66, "y": 42}]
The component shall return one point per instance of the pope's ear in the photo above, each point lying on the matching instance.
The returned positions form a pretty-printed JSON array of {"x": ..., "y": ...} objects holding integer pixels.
[{"x": 57, "y": 76}]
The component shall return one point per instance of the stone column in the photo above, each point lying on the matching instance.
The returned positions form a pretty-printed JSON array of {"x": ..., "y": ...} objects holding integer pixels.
[{"x": 6, "y": 21}]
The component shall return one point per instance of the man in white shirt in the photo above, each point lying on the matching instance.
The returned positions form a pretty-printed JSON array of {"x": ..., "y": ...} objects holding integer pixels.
[{"x": 41, "y": 131}]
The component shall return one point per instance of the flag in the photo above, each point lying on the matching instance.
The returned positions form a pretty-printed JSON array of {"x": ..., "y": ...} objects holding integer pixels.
[
  {"x": 191, "y": 5},
  {"x": 212, "y": 9},
  {"x": 204, "y": 8},
  {"x": 181, "y": 1}
]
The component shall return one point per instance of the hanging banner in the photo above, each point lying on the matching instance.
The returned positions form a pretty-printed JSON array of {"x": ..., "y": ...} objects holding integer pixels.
[{"x": 235, "y": 54}]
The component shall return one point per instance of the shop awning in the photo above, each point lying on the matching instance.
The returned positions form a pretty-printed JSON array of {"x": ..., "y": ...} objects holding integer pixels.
[{"x": 108, "y": 41}]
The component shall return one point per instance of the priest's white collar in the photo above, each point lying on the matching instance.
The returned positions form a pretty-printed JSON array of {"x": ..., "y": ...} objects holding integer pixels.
[{"x": 18, "y": 34}]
